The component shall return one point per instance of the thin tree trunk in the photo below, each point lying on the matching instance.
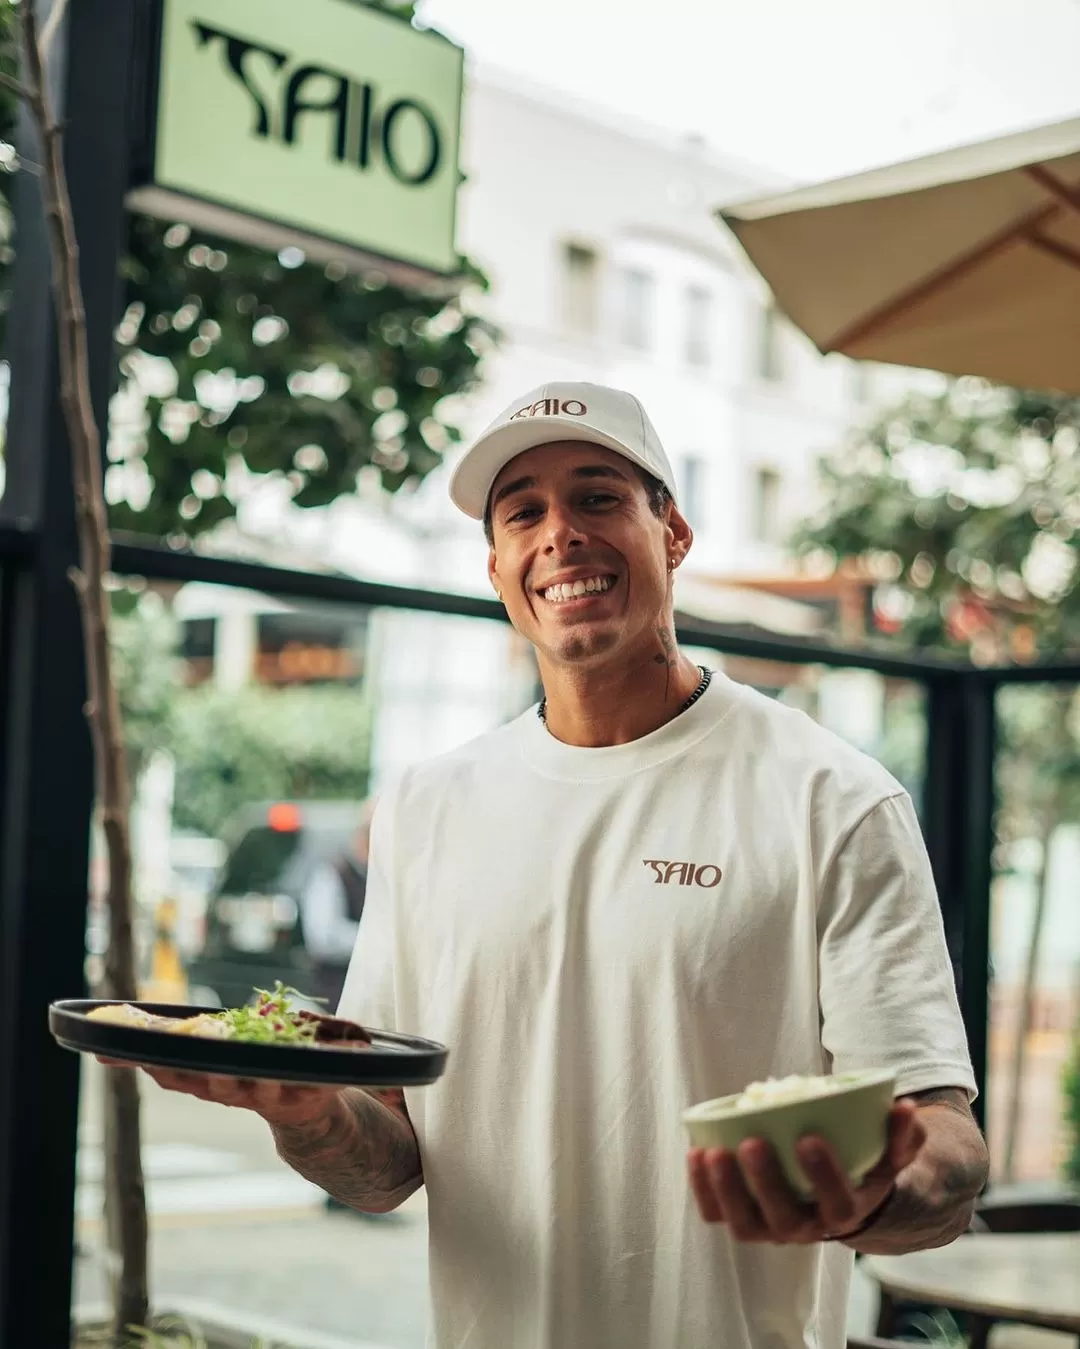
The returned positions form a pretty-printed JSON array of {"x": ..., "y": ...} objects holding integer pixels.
[
  {"x": 1027, "y": 1002},
  {"x": 124, "y": 1180}
]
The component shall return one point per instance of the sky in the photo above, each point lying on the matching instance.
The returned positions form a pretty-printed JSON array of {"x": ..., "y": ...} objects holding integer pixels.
[{"x": 808, "y": 89}]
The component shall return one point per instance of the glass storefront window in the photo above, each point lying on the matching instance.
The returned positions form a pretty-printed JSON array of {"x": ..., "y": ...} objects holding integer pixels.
[{"x": 1035, "y": 931}]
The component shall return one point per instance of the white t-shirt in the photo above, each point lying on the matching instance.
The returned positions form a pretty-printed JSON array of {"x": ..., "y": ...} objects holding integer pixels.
[{"x": 604, "y": 937}]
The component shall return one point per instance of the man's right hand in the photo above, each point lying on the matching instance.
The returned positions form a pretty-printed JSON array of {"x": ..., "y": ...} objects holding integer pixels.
[
  {"x": 357, "y": 1145},
  {"x": 281, "y": 1104}
]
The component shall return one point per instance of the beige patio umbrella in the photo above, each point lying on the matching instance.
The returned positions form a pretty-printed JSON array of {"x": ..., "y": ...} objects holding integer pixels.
[{"x": 966, "y": 262}]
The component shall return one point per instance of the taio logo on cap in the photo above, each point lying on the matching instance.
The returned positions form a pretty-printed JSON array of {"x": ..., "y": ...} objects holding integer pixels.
[{"x": 552, "y": 407}]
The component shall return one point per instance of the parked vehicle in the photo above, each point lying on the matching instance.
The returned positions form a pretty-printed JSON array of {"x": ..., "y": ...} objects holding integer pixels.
[{"x": 253, "y": 930}]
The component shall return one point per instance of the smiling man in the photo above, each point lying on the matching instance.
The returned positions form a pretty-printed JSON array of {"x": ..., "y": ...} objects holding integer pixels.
[{"x": 651, "y": 889}]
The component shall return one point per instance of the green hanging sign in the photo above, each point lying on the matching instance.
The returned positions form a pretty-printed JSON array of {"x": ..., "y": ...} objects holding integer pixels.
[{"x": 324, "y": 124}]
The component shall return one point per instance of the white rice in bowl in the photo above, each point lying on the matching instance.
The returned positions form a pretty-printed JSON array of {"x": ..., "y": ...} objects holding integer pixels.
[{"x": 782, "y": 1090}]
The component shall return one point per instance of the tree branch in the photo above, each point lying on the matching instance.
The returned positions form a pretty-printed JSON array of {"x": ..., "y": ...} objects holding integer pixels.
[
  {"x": 19, "y": 89},
  {"x": 52, "y": 23}
]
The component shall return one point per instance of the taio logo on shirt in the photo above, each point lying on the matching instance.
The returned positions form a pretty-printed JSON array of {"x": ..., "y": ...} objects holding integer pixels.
[{"x": 683, "y": 873}]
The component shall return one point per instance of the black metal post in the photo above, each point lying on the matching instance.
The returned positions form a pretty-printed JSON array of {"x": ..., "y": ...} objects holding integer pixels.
[
  {"x": 977, "y": 784},
  {"x": 47, "y": 763},
  {"x": 943, "y": 804},
  {"x": 958, "y": 821}
]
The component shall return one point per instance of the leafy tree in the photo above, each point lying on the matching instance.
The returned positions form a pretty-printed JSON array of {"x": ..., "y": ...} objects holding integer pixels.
[
  {"x": 256, "y": 744},
  {"x": 250, "y": 365},
  {"x": 965, "y": 506},
  {"x": 963, "y": 509}
]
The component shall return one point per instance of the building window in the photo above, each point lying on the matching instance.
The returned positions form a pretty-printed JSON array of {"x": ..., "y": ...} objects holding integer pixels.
[
  {"x": 580, "y": 290},
  {"x": 770, "y": 358},
  {"x": 635, "y": 308},
  {"x": 698, "y": 325},
  {"x": 690, "y": 478},
  {"x": 198, "y": 640},
  {"x": 766, "y": 506},
  {"x": 298, "y": 647}
]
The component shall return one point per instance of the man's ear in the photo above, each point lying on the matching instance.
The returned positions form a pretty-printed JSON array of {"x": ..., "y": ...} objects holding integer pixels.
[
  {"x": 680, "y": 536},
  {"x": 493, "y": 574}
]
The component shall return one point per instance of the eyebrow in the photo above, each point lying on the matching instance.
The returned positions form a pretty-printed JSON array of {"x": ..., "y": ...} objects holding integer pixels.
[{"x": 585, "y": 471}]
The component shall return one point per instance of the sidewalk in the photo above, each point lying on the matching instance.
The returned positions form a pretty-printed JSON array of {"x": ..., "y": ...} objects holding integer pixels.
[
  {"x": 232, "y": 1226},
  {"x": 363, "y": 1280}
]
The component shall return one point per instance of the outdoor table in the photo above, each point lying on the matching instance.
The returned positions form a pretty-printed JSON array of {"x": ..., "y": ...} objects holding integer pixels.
[{"x": 1029, "y": 1278}]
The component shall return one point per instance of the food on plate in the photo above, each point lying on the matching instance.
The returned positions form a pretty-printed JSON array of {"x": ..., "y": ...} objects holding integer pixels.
[{"x": 269, "y": 1020}]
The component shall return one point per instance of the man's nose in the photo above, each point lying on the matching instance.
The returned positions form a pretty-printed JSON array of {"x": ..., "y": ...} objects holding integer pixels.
[{"x": 563, "y": 531}]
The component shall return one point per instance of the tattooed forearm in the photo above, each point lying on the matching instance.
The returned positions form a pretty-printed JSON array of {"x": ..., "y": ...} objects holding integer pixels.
[
  {"x": 935, "y": 1196},
  {"x": 364, "y": 1153}
]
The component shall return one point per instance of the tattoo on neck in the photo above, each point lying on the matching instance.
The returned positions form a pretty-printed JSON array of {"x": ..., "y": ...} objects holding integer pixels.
[{"x": 669, "y": 656}]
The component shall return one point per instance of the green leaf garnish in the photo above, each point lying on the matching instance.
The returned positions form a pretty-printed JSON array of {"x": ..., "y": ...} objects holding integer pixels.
[{"x": 269, "y": 1020}]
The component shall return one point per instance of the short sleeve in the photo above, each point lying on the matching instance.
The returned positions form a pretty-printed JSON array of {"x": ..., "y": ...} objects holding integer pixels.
[
  {"x": 368, "y": 993},
  {"x": 888, "y": 998}
]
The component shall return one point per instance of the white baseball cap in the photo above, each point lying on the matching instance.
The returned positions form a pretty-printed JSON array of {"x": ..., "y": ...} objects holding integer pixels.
[{"x": 561, "y": 411}]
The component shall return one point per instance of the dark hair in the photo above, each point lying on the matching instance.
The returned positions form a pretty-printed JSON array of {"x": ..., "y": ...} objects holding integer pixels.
[{"x": 655, "y": 491}]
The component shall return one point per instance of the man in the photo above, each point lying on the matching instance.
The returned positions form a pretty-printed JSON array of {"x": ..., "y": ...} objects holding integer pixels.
[
  {"x": 650, "y": 890},
  {"x": 331, "y": 906}
]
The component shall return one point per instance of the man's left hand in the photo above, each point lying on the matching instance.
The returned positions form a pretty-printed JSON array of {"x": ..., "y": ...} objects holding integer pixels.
[{"x": 746, "y": 1189}]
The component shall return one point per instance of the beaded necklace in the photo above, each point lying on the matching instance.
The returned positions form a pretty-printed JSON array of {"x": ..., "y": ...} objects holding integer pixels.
[{"x": 706, "y": 679}]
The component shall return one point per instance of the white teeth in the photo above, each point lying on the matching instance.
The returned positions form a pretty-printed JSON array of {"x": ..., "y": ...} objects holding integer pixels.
[{"x": 569, "y": 590}]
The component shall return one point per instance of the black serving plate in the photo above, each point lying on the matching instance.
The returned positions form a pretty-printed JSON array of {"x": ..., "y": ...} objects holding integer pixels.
[{"x": 392, "y": 1059}]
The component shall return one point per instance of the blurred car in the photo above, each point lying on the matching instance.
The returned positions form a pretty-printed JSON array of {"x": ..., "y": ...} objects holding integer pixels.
[{"x": 253, "y": 933}]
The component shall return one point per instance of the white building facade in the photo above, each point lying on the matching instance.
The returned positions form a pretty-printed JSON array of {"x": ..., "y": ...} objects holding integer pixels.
[{"x": 607, "y": 264}]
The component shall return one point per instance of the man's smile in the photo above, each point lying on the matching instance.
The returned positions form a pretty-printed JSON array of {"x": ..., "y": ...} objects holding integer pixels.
[{"x": 578, "y": 588}]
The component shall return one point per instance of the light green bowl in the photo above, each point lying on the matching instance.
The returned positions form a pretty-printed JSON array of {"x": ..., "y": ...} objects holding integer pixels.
[{"x": 854, "y": 1120}]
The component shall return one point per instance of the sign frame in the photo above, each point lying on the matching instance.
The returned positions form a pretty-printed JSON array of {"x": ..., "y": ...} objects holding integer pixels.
[{"x": 147, "y": 195}]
